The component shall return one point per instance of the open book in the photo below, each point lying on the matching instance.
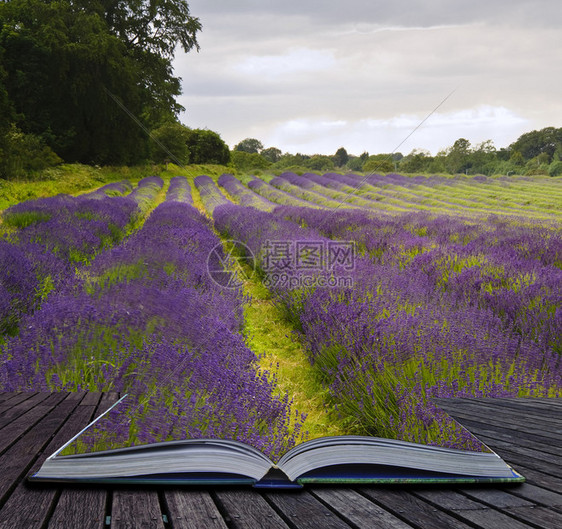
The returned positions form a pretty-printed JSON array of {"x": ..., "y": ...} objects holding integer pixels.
[{"x": 342, "y": 459}]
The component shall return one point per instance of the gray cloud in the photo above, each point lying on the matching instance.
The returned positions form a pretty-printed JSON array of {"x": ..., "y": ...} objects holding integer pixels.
[
  {"x": 272, "y": 71},
  {"x": 382, "y": 12}
]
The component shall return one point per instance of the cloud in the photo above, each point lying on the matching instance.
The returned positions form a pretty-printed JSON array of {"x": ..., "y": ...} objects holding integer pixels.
[
  {"x": 313, "y": 76},
  {"x": 499, "y": 124},
  {"x": 397, "y": 13},
  {"x": 295, "y": 61}
]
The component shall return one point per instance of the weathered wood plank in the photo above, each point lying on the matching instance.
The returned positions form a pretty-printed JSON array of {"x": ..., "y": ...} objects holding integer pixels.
[
  {"x": 507, "y": 417},
  {"x": 19, "y": 457},
  {"x": 81, "y": 507},
  {"x": 411, "y": 509},
  {"x": 516, "y": 456},
  {"x": 87, "y": 513},
  {"x": 304, "y": 511},
  {"x": 539, "y": 517},
  {"x": 91, "y": 398},
  {"x": 246, "y": 509},
  {"x": 519, "y": 461},
  {"x": 473, "y": 420},
  {"x": 519, "y": 438},
  {"x": 483, "y": 506},
  {"x": 136, "y": 509},
  {"x": 447, "y": 499},
  {"x": 479, "y": 504},
  {"x": 536, "y": 406},
  {"x": 28, "y": 506},
  {"x": 192, "y": 509},
  {"x": 5, "y": 397},
  {"x": 510, "y": 442},
  {"x": 358, "y": 510},
  {"x": 16, "y": 398},
  {"x": 498, "y": 520},
  {"x": 11, "y": 413},
  {"x": 536, "y": 504},
  {"x": 496, "y": 498},
  {"x": 538, "y": 495},
  {"x": 536, "y": 477}
]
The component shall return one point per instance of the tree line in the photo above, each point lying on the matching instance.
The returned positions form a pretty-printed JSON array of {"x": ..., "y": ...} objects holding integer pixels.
[{"x": 538, "y": 152}]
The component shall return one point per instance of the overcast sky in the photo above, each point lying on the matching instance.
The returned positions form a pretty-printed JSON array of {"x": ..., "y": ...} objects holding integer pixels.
[{"x": 311, "y": 76}]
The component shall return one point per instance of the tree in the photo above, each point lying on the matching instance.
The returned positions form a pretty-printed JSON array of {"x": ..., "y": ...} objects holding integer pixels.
[
  {"x": 170, "y": 143},
  {"x": 319, "y": 162},
  {"x": 272, "y": 154},
  {"x": 247, "y": 161},
  {"x": 96, "y": 61},
  {"x": 250, "y": 145},
  {"x": 341, "y": 157},
  {"x": 416, "y": 162},
  {"x": 23, "y": 154},
  {"x": 378, "y": 163},
  {"x": 290, "y": 160},
  {"x": 355, "y": 163},
  {"x": 457, "y": 157},
  {"x": 483, "y": 158},
  {"x": 156, "y": 26},
  {"x": 536, "y": 142},
  {"x": 206, "y": 146}
]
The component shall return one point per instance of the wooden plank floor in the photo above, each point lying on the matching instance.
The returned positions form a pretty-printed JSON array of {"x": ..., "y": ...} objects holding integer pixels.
[{"x": 527, "y": 433}]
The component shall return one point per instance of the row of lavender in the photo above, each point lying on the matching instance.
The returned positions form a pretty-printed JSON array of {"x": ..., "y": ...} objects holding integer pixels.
[
  {"x": 475, "y": 198},
  {"x": 146, "y": 318},
  {"x": 47, "y": 238},
  {"x": 439, "y": 307}
]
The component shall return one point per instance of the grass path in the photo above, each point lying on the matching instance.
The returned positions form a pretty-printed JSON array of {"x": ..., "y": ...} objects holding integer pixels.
[{"x": 270, "y": 336}]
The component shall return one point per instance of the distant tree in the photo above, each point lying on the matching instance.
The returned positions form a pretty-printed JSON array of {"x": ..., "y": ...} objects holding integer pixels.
[
  {"x": 206, "y": 146},
  {"x": 457, "y": 157},
  {"x": 354, "y": 163},
  {"x": 503, "y": 154},
  {"x": 272, "y": 154},
  {"x": 416, "y": 162},
  {"x": 247, "y": 161},
  {"x": 319, "y": 162},
  {"x": 170, "y": 143},
  {"x": 378, "y": 163},
  {"x": 483, "y": 158},
  {"x": 250, "y": 145},
  {"x": 341, "y": 157},
  {"x": 516, "y": 158},
  {"x": 536, "y": 142},
  {"x": 289, "y": 160},
  {"x": 555, "y": 168}
]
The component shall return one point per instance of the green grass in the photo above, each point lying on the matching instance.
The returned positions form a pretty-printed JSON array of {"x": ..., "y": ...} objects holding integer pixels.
[
  {"x": 75, "y": 179},
  {"x": 271, "y": 337}
]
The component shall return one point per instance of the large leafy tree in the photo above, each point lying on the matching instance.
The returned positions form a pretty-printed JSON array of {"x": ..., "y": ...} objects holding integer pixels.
[
  {"x": 75, "y": 69},
  {"x": 532, "y": 144},
  {"x": 250, "y": 145},
  {"x": 206, "y": 146}
]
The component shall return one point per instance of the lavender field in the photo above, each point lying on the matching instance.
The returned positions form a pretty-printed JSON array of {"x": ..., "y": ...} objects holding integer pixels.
[{"x": 397, "y": 289}]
